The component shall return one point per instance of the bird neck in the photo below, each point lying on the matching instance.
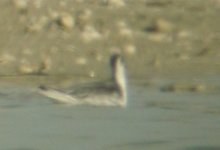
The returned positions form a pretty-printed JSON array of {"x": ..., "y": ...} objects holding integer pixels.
[{"x": 121, "y": 80}]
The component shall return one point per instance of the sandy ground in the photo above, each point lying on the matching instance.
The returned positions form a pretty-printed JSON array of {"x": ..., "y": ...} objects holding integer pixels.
[{"x": 76, "y": 38}]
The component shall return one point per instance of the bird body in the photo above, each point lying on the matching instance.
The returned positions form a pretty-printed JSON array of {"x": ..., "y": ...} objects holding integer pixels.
[{"x": 114, "y": 94}]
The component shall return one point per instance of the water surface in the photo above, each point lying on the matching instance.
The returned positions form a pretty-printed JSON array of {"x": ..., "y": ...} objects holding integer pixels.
[{"x": 154, "y": 119}]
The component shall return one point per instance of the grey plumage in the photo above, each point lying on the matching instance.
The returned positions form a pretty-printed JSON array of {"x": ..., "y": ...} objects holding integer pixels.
[{"x": 114, "y": 94}]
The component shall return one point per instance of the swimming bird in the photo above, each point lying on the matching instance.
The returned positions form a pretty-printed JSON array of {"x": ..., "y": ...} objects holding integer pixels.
[{"x": 114, "y": 94}]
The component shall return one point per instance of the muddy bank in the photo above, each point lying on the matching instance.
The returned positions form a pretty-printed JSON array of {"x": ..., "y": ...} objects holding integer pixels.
[{"x": 157, "y": 38}]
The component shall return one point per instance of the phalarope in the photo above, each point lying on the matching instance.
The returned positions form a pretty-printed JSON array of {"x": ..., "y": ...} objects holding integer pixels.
[{"x": 98, "y": 95}]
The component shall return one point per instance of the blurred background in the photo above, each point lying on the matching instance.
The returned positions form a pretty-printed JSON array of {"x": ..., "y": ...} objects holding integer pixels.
[
  {"x": 163, "y": 38},
  {"x": 172, "y": 54}
]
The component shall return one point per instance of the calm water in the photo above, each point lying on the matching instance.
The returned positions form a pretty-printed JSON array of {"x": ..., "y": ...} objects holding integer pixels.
[{"x": 153, "y": 120}]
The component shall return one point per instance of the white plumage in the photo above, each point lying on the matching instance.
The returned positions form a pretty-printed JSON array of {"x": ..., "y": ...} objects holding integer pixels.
[{"x": 114, "y": 94}]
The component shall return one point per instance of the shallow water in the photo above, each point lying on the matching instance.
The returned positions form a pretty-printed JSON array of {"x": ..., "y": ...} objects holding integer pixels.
[{"x": 153, "y": 120}]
